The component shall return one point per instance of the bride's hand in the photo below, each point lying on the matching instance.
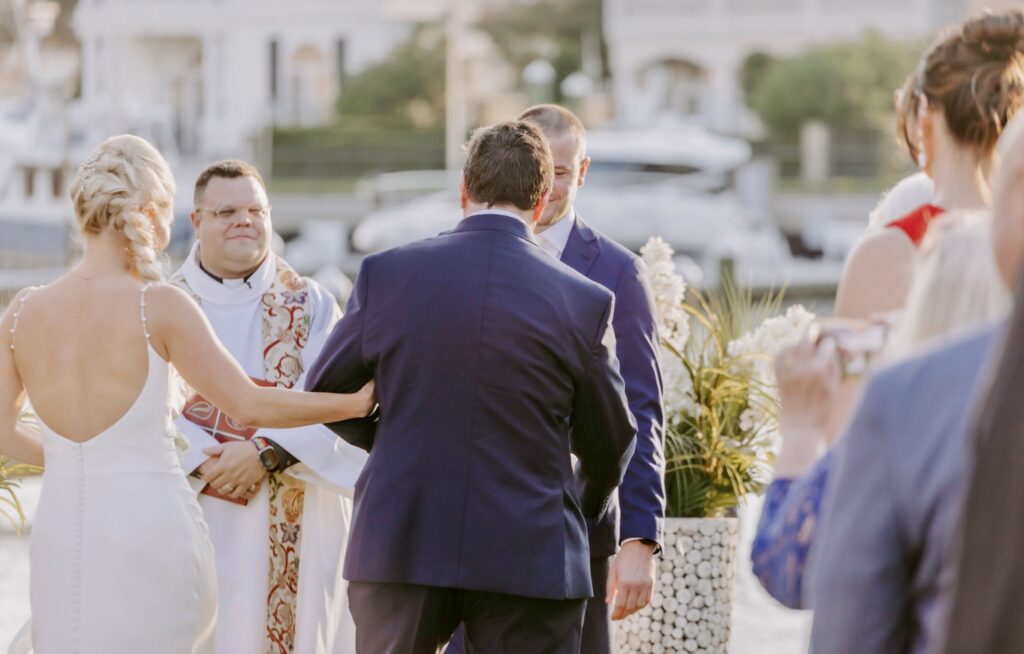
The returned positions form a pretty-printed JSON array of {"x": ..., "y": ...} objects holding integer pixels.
[{"x": 365, "y": 399}]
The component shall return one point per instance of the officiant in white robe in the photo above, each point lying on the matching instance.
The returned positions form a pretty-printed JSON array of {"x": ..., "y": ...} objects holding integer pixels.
[{"x": 274, "y": 323}]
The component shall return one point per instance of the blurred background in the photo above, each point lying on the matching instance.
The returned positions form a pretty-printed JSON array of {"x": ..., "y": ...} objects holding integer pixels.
[{"x": 753, "y": 135}]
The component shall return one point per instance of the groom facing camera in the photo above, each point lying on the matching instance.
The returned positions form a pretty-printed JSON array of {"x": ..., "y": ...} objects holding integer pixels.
[
  {"x": 493, "y": 363},
  {"x": 623, "y": 543}
]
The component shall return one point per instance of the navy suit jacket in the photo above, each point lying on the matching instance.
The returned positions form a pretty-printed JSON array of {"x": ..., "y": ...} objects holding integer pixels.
[
  {"x": 492, "y": 365},
  {"x": 639, "y": 509}
]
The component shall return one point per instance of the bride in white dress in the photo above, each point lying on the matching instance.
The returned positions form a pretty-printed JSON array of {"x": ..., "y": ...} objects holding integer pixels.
[{"x": 120, "y": 558}]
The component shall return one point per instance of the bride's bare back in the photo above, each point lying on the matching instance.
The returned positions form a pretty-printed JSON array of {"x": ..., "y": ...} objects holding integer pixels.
[{"x": 81, "y": 352}]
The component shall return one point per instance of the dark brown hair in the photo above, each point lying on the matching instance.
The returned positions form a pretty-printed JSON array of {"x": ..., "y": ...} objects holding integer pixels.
[
  {"x": 229, "y": 169},
  {"x": 555, "y": 121},
  {"x": 974, "y": 74},
  {"x": 509, "y": 163}
]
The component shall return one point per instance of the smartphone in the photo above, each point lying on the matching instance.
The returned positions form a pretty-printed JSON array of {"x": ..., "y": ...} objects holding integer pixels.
[{"x": 858, "y": 342}]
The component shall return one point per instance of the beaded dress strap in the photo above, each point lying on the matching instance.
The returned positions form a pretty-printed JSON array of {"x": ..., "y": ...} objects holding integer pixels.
[
  {"x": 17, "y": 312},
  {"x": 142, "y": 311}
]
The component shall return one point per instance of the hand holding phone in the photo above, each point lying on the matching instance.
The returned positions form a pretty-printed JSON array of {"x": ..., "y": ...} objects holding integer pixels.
[{"x": 857, "y": 342}]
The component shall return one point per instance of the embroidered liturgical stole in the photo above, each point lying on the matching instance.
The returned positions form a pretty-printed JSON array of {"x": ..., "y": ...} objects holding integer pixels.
[{"x": 286, "y": 321}]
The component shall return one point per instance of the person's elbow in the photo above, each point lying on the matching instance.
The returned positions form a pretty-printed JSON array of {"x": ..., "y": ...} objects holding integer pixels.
[
  {"x": 7, "y": 436},
  {"x": 608, "y": 474},
  {"x": 596, "y": 481},
  {"x": 627, "y": 441}
]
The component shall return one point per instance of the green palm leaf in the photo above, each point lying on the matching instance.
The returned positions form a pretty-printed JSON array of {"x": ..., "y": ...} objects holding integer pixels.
[
  {"x": 710, "y": 463},
  {"x": 10, "y": 479}
]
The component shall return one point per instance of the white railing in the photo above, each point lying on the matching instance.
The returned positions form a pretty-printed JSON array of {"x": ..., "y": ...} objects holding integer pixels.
[
  {"x": 186, "y": 17},
  {"x": 141, "y": 5},
  {"x": 692, "y": 8},
  {"x": 700, "y": 16}
]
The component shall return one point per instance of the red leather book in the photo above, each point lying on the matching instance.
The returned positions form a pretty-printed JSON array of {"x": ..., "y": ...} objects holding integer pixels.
[{"x": 200, "y": 411}]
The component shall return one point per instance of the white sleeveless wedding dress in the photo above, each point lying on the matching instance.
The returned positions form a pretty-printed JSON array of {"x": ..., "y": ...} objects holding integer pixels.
[{"x": 121, "y": 561}]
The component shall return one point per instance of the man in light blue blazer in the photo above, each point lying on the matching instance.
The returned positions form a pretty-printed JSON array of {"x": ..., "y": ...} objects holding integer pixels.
[
  {"x": 880, "y": 573},
  {"x": 884, "y": 562}
]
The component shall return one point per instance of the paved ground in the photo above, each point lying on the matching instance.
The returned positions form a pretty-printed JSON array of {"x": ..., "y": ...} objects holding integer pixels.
[{"x": 760, "y": 626}]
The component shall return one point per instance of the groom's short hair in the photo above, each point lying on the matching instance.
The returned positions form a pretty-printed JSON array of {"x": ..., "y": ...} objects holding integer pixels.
[
  {"x": 508, "y": 163},
  {"x": 556, "y": 121}
]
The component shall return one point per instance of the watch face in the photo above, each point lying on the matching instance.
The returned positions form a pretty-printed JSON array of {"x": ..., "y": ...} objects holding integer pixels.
[{"x": 268, "y": 458}]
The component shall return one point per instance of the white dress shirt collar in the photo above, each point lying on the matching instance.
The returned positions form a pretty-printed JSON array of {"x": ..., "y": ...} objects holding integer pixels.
[
  {"x": 554, "y": 239},
  {"x": 499, "y": 212}
]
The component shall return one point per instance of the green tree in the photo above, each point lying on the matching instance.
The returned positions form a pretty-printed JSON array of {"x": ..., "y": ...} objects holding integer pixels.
[
  {"x": 753, "y": 71},
  {"x": 404, "y": 90},
  {"x": 842, "y": 85},
  {"x": 555, "y": 30}
]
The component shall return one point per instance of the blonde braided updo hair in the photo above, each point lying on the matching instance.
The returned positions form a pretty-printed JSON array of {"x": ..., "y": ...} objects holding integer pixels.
[{"x": 126, "y": 186}]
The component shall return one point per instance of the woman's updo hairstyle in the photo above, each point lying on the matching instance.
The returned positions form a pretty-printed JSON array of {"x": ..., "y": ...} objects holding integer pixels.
[
  {"x": 974, "y": 74},
  {"x": 126, "y": 186}
]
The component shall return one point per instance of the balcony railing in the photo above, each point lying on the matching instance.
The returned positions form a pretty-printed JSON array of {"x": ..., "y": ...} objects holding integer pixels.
[{"x": 700, "y": 16}]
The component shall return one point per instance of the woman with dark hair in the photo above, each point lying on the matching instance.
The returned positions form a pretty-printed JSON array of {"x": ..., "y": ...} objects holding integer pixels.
[{"x": 950, "y": 114}]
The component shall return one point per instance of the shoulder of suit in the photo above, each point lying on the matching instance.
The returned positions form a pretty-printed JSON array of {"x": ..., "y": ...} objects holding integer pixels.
[
  {"x": 384, "y": 257},
  {"x": 400, "y": 251},
  {"x": 594, "y": 290},
  {"x": 612, "y": 248},
  {"x": 948, "y": 365},
  {"x": 612, "y": 252}
]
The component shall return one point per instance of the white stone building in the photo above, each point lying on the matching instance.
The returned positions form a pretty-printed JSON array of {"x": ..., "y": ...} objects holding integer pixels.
[
  {"x": 680, "y": 58},
  {"x": 205, "y": 78}
]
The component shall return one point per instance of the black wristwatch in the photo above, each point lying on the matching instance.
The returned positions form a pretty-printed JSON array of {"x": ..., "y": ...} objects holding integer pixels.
[
  {"x": 652, "y": 543},
  {"x": 268, "y": 455}
]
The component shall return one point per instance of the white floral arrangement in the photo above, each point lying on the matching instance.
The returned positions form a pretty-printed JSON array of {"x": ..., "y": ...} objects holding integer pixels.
[{"x": 721, "y": 404}]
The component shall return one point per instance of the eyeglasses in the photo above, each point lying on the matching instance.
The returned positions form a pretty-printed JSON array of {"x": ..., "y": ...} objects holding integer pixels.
[{"x": 255, "y": 212}]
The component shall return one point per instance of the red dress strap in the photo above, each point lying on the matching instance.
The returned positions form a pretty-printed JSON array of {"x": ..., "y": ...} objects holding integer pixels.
[{"x": 915, "y": 223}]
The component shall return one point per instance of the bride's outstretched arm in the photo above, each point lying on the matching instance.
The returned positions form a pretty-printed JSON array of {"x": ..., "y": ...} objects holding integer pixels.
[
  {"x": 17, "y": 440},
  {"x": 181, "y": 333}
]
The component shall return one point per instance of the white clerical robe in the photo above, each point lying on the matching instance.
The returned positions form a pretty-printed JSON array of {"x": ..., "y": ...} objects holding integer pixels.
[{"x": 329, "y": 466}]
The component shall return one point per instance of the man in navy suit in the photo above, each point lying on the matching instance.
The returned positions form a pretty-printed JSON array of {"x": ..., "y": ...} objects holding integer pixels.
[
  {"x": 623, "y": 584},
  {"x": 493, "y": 363},
  {"x": 627, "y": 580}
]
